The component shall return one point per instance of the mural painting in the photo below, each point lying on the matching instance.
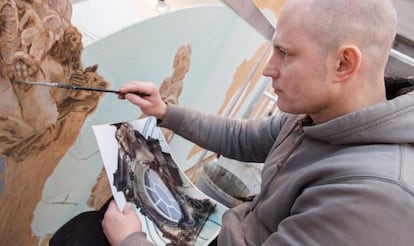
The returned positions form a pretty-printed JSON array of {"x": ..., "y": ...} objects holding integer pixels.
[{"x": 37, "y": 124}]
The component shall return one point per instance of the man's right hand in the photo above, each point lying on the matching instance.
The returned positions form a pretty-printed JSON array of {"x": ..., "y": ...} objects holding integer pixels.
[{"x": 151, "y": 105}]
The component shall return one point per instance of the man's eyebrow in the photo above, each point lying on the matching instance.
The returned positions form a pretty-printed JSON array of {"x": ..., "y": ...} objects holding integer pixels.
[
  {"x": 277, "y": 45},
  {"x": 280, "y": 47}
]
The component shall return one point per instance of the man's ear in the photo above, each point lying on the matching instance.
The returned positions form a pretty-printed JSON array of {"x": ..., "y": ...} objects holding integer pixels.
[{"x": 348, "y": 62}]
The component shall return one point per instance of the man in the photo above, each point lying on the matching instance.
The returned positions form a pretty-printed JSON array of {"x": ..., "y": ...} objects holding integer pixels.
[{"x": 339, "y": 165}]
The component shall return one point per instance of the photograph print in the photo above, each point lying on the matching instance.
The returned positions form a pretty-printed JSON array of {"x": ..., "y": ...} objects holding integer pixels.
[{"x": 141, "y": 170}]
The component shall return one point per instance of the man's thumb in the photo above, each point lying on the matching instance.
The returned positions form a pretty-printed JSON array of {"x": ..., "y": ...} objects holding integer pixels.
[{"x": 130, "y": 208}]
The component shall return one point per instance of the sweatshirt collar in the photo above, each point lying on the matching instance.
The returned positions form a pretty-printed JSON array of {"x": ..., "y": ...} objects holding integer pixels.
[{"x": 388, "y": 122}]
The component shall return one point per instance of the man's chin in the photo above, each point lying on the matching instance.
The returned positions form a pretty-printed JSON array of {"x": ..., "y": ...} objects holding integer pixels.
[
  {"x": 286, "y": 109},
  {"x": 282, "y": 107}
]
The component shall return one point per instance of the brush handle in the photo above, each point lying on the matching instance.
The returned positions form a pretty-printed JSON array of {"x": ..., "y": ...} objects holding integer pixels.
[{"x": 76, "y": 87}]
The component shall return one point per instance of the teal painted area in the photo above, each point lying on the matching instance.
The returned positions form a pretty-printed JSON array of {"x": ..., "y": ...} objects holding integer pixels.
[{"x": 220, "y": 41}]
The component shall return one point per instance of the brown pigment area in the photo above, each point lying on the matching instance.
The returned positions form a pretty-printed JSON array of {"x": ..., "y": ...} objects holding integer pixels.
[
  {"x": 37, "y": 124},
  {"x": 275, "y": 5}
]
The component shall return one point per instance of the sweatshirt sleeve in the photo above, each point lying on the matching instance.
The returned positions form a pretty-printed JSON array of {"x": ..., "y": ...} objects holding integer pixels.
[
  {"x": 244, "y": 140},
  {"x": 136, "y": 239}
]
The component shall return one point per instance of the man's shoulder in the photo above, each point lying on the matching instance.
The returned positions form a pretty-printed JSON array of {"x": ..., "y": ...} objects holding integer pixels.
[{"x": 390, "y": 163}]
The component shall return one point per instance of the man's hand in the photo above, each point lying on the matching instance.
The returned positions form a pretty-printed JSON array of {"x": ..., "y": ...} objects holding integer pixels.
[
  {"x": 118, "y": 225},
  {"x": 151, "y": 105}
]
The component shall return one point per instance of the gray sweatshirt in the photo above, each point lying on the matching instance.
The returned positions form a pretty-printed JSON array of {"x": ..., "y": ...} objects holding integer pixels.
[{"x": 349, "y": 181}]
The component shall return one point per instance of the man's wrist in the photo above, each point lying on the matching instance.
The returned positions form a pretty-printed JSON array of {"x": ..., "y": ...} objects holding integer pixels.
[{"x": 161, "y": 115}]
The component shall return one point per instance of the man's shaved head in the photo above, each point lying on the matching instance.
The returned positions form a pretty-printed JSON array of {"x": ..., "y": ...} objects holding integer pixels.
[{"x": 369, "y": 24}]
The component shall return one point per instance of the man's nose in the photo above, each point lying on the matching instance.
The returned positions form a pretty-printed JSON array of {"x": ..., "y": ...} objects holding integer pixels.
[{"x": 272, "y": 68}]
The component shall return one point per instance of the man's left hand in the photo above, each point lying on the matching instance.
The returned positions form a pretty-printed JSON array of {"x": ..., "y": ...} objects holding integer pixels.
[{"x": 118, "y": 225}]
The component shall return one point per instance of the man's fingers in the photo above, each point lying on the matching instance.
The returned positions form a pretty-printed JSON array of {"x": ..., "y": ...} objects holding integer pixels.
[
  {"x": 137, "y": 100},
  {"x": 112, "y": 209},
  {"x": 129, "y": 208},
  {"x": 138, "y": 87},
  {"x": 112, "y": 205}
]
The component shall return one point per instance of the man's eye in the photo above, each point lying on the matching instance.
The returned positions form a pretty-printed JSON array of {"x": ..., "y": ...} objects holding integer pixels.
[{"x": 282, "y": 53}]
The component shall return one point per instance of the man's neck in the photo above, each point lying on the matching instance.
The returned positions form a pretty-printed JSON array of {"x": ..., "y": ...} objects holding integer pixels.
[{"x": 351, "y": 102}]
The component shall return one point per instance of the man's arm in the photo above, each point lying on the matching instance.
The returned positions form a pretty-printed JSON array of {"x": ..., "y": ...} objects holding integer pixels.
[{"x": 244, "y": 140}]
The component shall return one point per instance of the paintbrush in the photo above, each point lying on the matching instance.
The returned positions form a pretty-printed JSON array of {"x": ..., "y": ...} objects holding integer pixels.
[{"x": 77, "y": 87}]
